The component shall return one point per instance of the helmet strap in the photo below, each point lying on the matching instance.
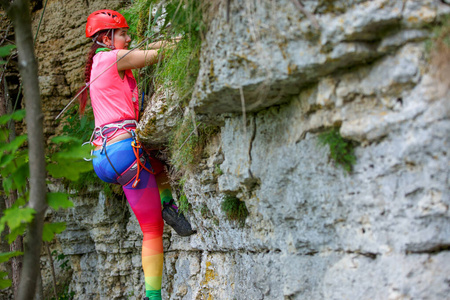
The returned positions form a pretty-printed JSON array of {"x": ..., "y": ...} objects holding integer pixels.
[{"x": 94, "y": 39}]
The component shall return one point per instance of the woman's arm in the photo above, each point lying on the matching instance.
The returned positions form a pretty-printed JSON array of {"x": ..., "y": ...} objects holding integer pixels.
[{"x": 136, "y": 59}]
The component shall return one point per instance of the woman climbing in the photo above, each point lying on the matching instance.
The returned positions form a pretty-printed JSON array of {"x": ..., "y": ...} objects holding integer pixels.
[{"x": 118, "y": 156}]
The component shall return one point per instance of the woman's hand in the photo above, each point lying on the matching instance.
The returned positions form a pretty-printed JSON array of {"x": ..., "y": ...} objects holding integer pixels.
[{"x": 163, "y": 44}]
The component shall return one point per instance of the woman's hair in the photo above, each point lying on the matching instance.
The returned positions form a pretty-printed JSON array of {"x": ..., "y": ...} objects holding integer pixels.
[{"x": 87, "y": 71}]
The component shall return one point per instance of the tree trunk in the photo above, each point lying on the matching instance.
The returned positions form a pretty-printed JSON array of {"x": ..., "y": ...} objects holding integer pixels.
[
  {"x": 39, "y": 288},
  {"x": 19, "y": 12}
]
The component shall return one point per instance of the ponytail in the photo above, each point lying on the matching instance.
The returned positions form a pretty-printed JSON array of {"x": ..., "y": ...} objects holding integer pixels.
[{"x": 87, "y": 71}]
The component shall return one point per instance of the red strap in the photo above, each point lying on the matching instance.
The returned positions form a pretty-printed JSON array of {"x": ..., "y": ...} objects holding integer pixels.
[{"x": 136, "y": 146}]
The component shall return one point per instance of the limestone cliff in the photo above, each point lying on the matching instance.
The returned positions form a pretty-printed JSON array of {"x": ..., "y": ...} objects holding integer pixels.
[{"x": 272, "y": 82}]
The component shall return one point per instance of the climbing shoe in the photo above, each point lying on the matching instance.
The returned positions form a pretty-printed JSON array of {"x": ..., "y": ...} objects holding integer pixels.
[{"x": 176, "y": 219}]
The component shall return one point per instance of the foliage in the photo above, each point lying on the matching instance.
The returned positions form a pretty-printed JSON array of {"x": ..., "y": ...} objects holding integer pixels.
[
  {"x": 76, "y": 126},
  {"x": 218, "y": 170},
  {"x": 438, "y": 49},
  {"x": 181, "y": 68},
  {"x": 66, "y": 162},
  {"x": 235, "y": 209},
  {"x": 183, "y": 202},
  {"x": 4, "y": 257},
  {"x": 440, "y": 35},
  {"x": 68, "y": 159},
  {"x": 65, "y": 294},
  {"x": 341, "y": 150},
  {"x": 5, "y": 51},
  {"x": 81, "y": 128},
  {"x": 63, "y": 263},
  {"x": 185, "y": 145},
  {"x": 174, "y": 18},
  {"x": 62, "y": 259}
]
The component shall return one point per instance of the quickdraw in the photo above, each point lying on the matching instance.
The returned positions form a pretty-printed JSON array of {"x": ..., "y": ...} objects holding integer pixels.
[{"x": 134, "y": 170}]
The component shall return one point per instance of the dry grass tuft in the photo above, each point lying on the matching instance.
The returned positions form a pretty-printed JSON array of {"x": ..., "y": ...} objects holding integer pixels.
[{"x": 440, "y": 56}]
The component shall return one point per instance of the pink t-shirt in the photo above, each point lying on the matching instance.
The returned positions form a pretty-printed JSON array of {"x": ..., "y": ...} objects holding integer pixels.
[{"x": 113, "y": 98}]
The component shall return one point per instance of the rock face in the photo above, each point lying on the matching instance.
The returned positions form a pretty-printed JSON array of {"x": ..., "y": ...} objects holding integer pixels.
[{"x": 313, "y": 231}]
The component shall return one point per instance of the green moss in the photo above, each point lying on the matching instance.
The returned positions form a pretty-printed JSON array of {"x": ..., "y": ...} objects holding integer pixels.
[
  {"x": 183, "y": 202},
  {"x": 235, "y": 209},
  {"x": 341, "y": 150},
  {"x": 218, "y": 170}
]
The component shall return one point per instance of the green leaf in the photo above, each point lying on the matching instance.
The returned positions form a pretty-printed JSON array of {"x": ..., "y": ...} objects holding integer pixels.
[
  {"x": 4, "y": 283},
  {"x": 17, "y": 116},
  {"x": 69, "y": 169},
  {"x": 21, "y": 158},
  {"x": 20, "y": 177},
  {"x": 20, "y": 230},
  {"x": 6, "y": 159},
  {"x": 59, "y": 200},
  {"x": 22, "y": 200},
  {"x": 15, "y": 144},
  {"x": 6, "y": 50},
  {"x": 50, "y": 229},
  {"x": 4, "y": 257},
  {"x": 4, "y": 133},
  {"x": 73, "y": 152},
  {"x": 64, "y": 139},
  {"x": 15, "y": 216},
  {"x": 83, "y": 122},
  {"x": 7, "y": 184}
]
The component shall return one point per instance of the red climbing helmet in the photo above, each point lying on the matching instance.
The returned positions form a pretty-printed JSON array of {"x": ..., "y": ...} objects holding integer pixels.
[{"x": 104, "y": 19}]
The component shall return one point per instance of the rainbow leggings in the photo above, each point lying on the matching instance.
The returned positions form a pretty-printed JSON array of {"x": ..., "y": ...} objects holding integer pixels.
[{"x": 145, "y": 201}]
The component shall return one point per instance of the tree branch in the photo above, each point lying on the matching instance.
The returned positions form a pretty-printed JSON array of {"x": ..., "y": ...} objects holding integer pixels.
[{"x": 19, "y": 12}]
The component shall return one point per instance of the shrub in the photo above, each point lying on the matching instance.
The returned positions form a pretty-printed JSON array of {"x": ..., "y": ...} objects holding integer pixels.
[
  {"x": 341, "y": 150},
  {"x": 235, "y": 209}
]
